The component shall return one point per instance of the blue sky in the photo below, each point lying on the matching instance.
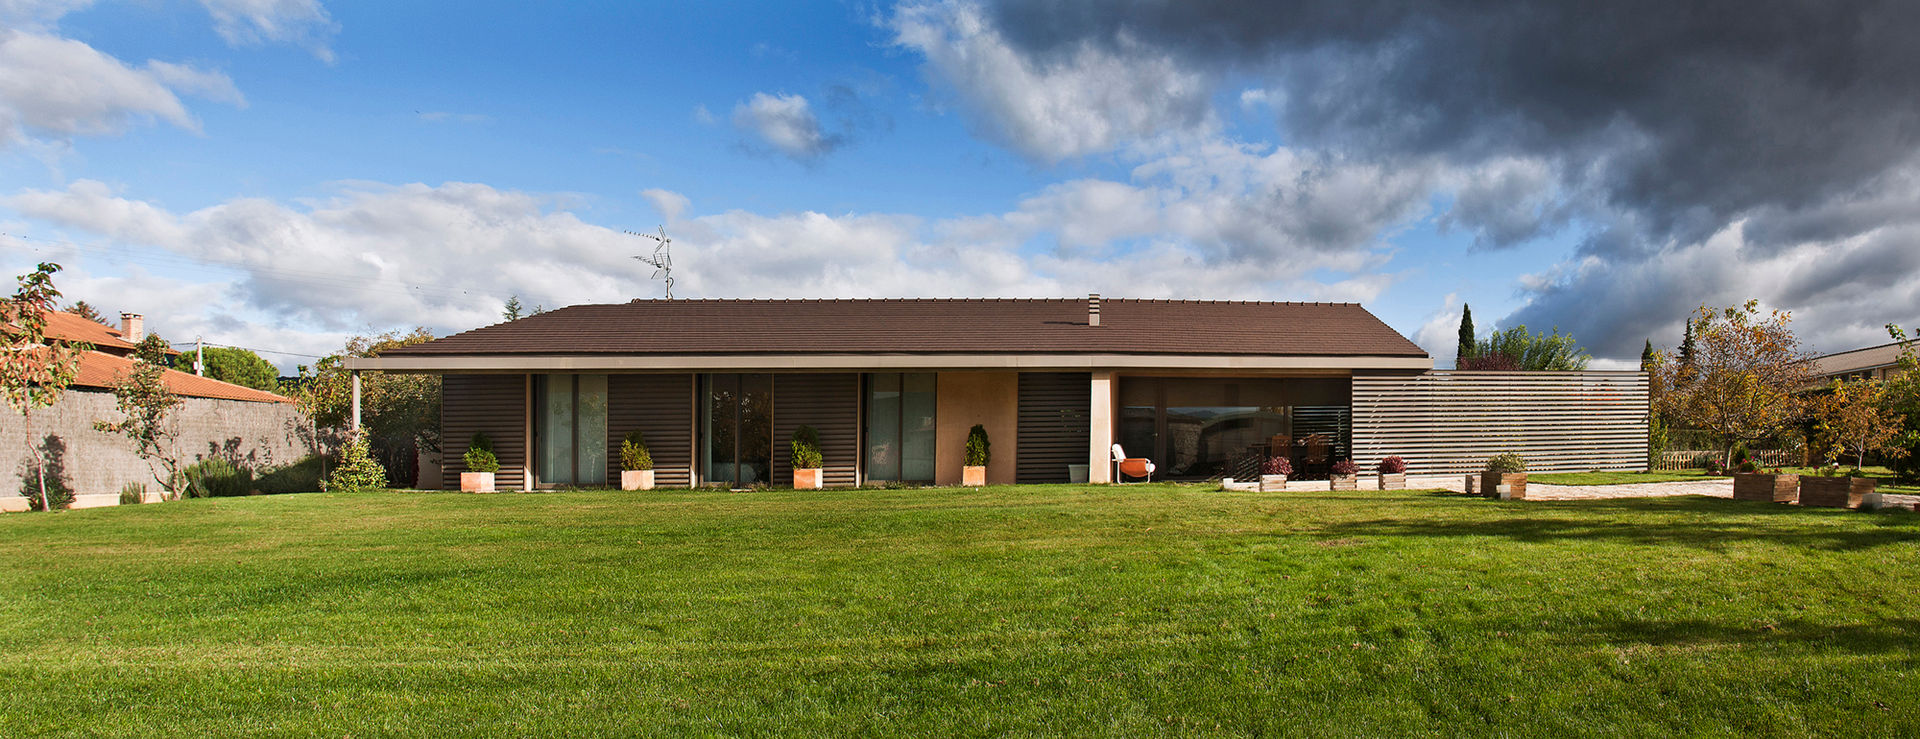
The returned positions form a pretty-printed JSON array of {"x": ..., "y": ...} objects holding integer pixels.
[{"x": 282, "y": 174}]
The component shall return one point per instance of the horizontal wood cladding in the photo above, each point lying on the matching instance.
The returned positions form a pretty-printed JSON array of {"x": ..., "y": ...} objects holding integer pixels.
[
  {"x": 495, "y": 405},
  {"x": 828, "y": 402},
  {"x": 1450, "y": 422},
  {"x": 1054, "y": 427},
  {"x": 661, "y": 408}
]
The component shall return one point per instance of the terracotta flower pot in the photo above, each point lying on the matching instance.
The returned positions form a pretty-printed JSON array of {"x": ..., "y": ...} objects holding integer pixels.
[
  {"x": 476, "y": 482},
  {"x": 1834, "y": 492},
  {"x": 807, "y": 479},
  {"x": 636, "y": 479},
  {"x": 1393, "y": 481},
  {"x": 1515, "y": 482},
  {"x": 1764, "y": 487},
  {"x": 1343, "y": 482},
  {"x": 1271, "y": 483},
  {"x": 973, "y": 476}
]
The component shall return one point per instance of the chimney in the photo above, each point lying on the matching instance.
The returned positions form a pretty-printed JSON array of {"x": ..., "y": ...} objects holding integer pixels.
[
  {"x": 1093, "y": 309},
  {"x": 133, "y": 327}
]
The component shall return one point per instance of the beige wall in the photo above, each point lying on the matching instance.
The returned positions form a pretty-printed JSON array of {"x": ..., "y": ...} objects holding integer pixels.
[{"x": 991, "y": 399}]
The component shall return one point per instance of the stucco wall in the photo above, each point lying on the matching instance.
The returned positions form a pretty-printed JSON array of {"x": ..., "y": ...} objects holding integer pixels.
[
  {"x": 991, "y": 399},
  {"x": 258, "y": 435}
]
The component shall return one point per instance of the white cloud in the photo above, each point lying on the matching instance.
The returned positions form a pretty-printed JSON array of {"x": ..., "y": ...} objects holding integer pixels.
[
  {"x": 255, "y": 22},
  {"x": 1089, "y": 101},
  {"x": 670, "y": 204},
  {"x": 787, "y": 123},
  {"x": 59, "y": 87}
]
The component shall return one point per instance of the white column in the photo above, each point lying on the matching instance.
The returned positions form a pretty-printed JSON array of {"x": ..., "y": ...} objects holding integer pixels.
[
  {"x": 356, "y": 401},
  {"x": 1100, "y": 431}
]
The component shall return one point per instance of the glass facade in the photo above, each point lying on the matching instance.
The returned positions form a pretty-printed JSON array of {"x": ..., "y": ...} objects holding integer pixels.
[
  {"x": 1198, "y": 428},
  {"x": 900, "y": 426},
  {"x": 737, "y": 429},
  {"x": 570, "y": 428}
]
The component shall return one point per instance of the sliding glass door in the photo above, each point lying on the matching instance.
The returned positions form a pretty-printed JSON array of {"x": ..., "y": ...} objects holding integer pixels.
[
  {"x": 737, "y": 433},
  {"x": 900, "y": 427},
  {"x": 570, "y": 427}
]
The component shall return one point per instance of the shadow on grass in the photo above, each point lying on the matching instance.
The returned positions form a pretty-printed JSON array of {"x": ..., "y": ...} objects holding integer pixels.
[
  {"x": 1885, "y": 636},
  {"x": 1703, "y": 522}
]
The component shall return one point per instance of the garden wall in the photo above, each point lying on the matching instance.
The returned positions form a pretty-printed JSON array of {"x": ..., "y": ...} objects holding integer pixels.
[
  {"x": 1446, "y": 421},
  {"x": 97, "y": 464}
]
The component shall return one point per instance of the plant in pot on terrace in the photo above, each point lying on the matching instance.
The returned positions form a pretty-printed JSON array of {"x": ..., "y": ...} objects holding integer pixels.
[
  {"x": 481, "y": 464},
  {"x": 636, "y": 462},
  {"x": 1345, "y": 476},
  {"x": 1274, "y": 472},
  {"x": 978, "y": 451},
  {"x": 1507, "y": 470},
  {"x": 1393, "y": 473},
  {"x": 807, "y": 459}
]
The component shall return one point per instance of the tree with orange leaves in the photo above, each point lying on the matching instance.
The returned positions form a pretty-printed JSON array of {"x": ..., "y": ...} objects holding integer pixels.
[
  {"x": 1854, "y": 420},
  {"x": 1745, "y": 377}
]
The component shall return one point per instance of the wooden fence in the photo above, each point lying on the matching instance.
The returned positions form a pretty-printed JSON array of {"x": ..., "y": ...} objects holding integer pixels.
[
  {"x": 1676, "y": 460},
  {"x": 1449, "y": 422}
]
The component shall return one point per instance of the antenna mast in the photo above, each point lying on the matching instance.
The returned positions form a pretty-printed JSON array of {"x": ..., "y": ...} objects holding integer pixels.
[{"x": 661, "y": 259}]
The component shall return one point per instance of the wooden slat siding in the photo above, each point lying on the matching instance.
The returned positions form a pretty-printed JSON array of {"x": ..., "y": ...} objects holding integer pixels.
[
  {"x": 830, "y": 403},
  {"x": 1450, "y": 422},
  {"x": 1053, "y": 423},
  {"x": 495, "y": 405},
  {"x": 659, "y": 406}
]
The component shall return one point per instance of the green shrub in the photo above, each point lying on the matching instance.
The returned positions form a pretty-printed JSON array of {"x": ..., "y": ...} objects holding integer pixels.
[
  {"x": 806, "y": 448},
  {"x": 1506, "y": 464},
  {"x": 358, "y": 472},
  {"x": 214, "y": 477},
  {"x": 479, "y": 456},
  {"x": 634, "y": 454},
  {"x": 133, "y": 493},
  {"x": 978, "y": 450},
  {"x": 304, "y": 476},
  {"x": 59, "y": 494}
]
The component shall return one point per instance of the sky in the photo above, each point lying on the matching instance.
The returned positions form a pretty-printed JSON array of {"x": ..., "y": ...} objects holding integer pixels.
[{"x": 283, "y": 174}]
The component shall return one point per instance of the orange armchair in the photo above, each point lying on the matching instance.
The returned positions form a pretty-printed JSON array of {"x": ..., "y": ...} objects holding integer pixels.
[{"x": 1131, "y": 466}]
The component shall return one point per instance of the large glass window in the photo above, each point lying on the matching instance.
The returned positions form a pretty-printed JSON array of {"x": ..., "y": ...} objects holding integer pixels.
[
  {"x": 570, "y": 427},
  {"x": 738, "y": 429},
  {"x": 1196, "y": 428},
  {"x": 900, "y": 434}
]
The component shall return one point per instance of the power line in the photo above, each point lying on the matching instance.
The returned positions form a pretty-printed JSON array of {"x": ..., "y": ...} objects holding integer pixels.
[{"x": 251, "y": 349}]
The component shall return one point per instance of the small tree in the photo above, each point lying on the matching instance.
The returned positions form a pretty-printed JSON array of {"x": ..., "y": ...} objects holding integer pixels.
[
  {"x": 512, "y": 310},
  {"x": 83, "y": 310},
  {"x": 806, "y": 448},
  {"x": 1745, "y": 377},
  {"x": 146, "y": 406},
  {"x": 241, "y": 367},
  {"x": 358, "y": 472},
  {"x": 1465, "y": 349},
  {"x": 978, "y": 449},
  {"x": 1902, "y": 396},
  {"x": 479, "y": 456},
  {"x": 34, "y": 371},
  {"x": 1516, "y": 349},
  {"x": 634, "y": 454},
  {"x": 1854, "y": 420}
]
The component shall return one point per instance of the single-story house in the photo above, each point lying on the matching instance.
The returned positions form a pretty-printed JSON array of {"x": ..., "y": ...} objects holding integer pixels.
[
  {"x": 1870, "y": 363},
  {"x": 249, "y": 427},
  {"x": 1205, "y": 389}
]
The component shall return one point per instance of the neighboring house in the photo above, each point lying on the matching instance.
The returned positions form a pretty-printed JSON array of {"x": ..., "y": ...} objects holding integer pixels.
[
  {"x": 1201, "y": 387},
  {"x": 1871, "y": 363},
  {"x": 250, "y": 427}
]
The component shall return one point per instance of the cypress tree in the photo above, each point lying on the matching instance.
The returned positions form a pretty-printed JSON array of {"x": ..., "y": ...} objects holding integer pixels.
[
  {"x": 1466, "y": 335},
  {"x": 1686, "y": 345},
  {"x": 1646, "y": 357}
]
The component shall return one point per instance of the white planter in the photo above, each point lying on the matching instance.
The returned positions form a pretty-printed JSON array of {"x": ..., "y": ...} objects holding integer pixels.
[
  {"x": 476, "y": 482},
  {"x": 636, "y": 479},
  {"x": 807, "y": 478},
  {"x": 1271, "y": 483}
]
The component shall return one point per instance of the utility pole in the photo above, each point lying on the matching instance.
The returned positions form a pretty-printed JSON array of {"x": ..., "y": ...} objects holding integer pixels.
[{"x": 200, "y": 356}]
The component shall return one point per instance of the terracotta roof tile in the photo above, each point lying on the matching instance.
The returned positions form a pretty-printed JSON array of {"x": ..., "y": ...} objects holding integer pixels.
[
  {"x": 929, "y": 326},
  {"x": 71, "y": 327},
  {"x": 100, "y": 370}
]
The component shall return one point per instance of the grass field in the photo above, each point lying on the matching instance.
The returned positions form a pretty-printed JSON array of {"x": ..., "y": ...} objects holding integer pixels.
[{"x": 1159, "y": 610}]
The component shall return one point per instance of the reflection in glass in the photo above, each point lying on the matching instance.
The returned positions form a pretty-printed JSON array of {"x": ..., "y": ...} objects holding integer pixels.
[
  {"x": 738, "y": 433},
  {"x": 916, "y": 426},
  {"x": 571, "y": 425},
  {"x": 1207, "y": 427},
  {"x": 590, "y": 425},
  {"x": 901, "y": 434},
  {"x": 883, "y": 426}
]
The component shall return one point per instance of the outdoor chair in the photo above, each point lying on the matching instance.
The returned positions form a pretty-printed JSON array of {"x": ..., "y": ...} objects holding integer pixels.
[{"x": 1131, "y": 466}]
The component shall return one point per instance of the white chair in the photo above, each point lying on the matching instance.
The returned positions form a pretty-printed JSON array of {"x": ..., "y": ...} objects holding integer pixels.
[{"x": 1130, "y": 466}]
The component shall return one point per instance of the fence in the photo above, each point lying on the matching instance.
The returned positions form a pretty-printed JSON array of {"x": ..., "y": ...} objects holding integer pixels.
[
  {"x": 1452, "y": 421},
  {"x": 1674, "y": 461}
]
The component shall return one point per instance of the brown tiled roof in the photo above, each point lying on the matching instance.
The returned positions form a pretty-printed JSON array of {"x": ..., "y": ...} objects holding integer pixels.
[
  {"x": 99, "y": 370},
  {"x": 71, "y": 327},
  {"x": 925, "y": 326}
]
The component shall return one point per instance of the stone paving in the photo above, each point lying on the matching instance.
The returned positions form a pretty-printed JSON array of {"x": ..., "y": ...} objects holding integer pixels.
[{"x": 1718, "y": 488}]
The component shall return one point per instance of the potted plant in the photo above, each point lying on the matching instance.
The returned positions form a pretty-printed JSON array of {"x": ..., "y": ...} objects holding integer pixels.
[
  {"x": 1770, "y": 487},
  {"x": 806, "y": 459},
  {"x": 481, "y": 464},
  {"x": 1273, "y": 473},
  {"x": 1831, "y": 489},
  {"x": 1393, "y": 473},
  {"x": 636, "y": 462},
  {"x": 1345, "y": 476},
  {"x": 974, "y": 474},
  {"x": 1505, "y": 477}
]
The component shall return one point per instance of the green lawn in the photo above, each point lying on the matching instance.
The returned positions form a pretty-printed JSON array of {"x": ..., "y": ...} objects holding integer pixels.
[{"x": 1157, "y": 610}]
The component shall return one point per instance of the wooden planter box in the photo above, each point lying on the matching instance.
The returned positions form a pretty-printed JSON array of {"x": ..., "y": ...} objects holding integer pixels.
[
  {"x": 1343, "y": 482},
  {"x": 1393, "y": 481},
  {"x": 806, "y": 479},
  {"x": 972, "y": 476},
  {"x": 1765, "y": 487},
  {"x": 636, "y": 479},
  {"x": 1834, "y": 492},
  {"x": 476, "y": 482},
  {"x": 1272, "y": 483},
  {"x": 1516, "y": 483}
]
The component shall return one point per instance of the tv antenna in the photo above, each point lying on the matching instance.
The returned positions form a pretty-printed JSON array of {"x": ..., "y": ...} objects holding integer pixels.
[{"x": 661, "y": 259}]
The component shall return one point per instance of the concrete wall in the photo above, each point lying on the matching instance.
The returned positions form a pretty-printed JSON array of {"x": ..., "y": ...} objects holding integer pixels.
[
  {"x": 97, "y": 464},
  {"x": 991, "y": 399}
]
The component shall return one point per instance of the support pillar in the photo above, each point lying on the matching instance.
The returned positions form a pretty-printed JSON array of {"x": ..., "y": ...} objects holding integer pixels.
[
  {"x": 1100, "y": 433},
  {"x": 355, "y": 374}
]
